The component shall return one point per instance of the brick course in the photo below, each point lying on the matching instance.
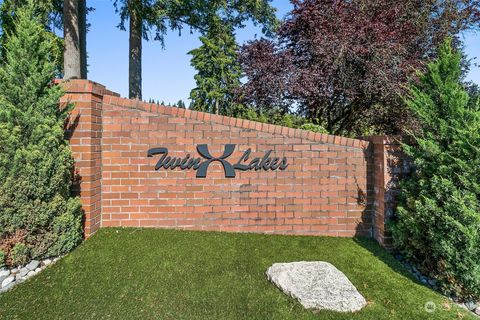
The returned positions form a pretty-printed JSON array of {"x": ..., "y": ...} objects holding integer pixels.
[
  {"x": 389, "y": 165},
  {"x": 327, "y": 189}
]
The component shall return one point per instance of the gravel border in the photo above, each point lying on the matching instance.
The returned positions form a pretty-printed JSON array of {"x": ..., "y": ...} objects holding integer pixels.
[
  {"x": 11, "y": 277},
  {"x": 473, "y": 306}
]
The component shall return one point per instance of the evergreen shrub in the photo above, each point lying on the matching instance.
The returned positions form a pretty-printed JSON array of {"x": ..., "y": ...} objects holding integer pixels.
[
  {"x": 438, "y": 222},
  {"x": 38, "y": 215}
]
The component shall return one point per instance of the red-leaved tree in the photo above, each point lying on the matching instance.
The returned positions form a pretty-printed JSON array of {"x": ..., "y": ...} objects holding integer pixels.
[{"x": 343, "y": 64}]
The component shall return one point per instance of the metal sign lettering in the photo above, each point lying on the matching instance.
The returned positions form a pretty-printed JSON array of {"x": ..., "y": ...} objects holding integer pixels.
[{"x": 188, "y": 162}]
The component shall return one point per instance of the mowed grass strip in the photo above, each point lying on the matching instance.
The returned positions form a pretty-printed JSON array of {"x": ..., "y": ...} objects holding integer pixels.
[{"x": 168, "y": 274}]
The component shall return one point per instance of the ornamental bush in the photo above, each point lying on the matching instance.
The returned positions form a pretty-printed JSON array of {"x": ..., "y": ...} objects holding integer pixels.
[
  {"x": 313, "y": 127},
  {"x": 438, "y": 222},
  {"x": 38, "y": 216},
  {"x": 2, "y": 259},
  {"x": 19, "y": 254}
]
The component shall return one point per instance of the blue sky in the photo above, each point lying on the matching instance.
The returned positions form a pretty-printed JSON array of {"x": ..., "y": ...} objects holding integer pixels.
[{"x": 167, "y": 74}]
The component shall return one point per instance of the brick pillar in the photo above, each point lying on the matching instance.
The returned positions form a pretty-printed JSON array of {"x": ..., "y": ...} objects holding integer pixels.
[
  {"x": 84, "y": 130},
  {"x": 388, "y": 164}
]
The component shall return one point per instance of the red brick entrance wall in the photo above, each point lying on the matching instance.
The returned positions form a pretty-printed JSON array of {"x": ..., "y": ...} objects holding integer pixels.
[
  {"x": 327, "y": 189},
  {"x": 389, "y": 165}
]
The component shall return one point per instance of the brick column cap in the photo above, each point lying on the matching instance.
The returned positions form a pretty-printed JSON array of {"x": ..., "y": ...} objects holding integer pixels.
[{"x": 85, "y": 86}]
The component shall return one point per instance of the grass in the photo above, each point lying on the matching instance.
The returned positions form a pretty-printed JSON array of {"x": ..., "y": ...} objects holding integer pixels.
[{"x": 166, "y": 274}]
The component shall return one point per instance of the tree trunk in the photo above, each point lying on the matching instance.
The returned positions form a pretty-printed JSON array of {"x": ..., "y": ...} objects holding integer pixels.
[
  {"x": 71, "y": 33},
  {"x": 82, "y": 26},
  {"x": 135, "y": 60}
]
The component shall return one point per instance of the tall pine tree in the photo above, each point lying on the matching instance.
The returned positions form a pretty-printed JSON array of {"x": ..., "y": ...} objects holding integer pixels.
[
  {"x": 39, "y": 217},
  {"x": 75, "y": 39},
  {"x": 164, "y": 15},
  {"x": 218, "y": 72}
]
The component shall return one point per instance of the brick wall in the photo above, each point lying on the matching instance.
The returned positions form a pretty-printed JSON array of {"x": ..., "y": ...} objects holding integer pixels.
[
  {"x": 389, "y": 165},
  {"x": 84, "y": 130},
  {"x": 327, "y": 188}
]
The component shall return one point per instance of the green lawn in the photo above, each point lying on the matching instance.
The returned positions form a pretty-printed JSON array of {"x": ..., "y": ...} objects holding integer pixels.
[{"x": 165, "y": 274}]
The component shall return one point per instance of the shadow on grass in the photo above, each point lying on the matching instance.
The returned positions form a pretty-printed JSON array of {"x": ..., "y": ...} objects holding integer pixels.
[{"x": 386, "y": 257}]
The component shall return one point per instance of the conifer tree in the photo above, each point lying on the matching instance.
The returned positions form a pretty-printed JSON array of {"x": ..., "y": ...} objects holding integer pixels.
[
  {"x": 218, "y": 72},
  {"x": 163, "y": 15},
  {"x": 180, "y": 104},
  {"x": 39, "y": 217},
  {"x": 438, "y": 222},
  {"x": 50, "y": 15}
]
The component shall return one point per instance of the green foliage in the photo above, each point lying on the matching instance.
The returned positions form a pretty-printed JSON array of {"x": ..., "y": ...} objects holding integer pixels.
[
  {"x": 218, "y": 71},
  {"x": 49, "y": 13},
  {"x": 313, "y": 127},
  {"x": 162, "y": 15},
  {"x": 438, "y": 222},
  {"x": 36, "y": 164},
  {"x": 286, "y": 120},
  {"x": 473, "y": 90},
  {"x": 180, "y": 104},
  {"x": 2, "y": 258},
  {"x": 19, "y": 254}
]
